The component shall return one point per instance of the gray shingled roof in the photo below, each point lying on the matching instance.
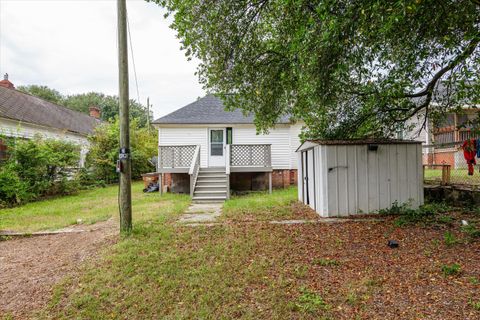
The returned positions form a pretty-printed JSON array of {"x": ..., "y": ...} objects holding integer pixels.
[
  {"x": 23, "y": 107},
  {"x": 208, "y": 110}
]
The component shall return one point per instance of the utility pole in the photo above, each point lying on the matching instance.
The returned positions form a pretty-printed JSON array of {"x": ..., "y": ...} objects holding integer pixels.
[
  {"x": 125, "y": 194},
  {"x": 148, "y": 113}
]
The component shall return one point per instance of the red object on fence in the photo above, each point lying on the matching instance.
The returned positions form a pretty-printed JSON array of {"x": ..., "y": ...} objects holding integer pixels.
[{"x": 469, "y": 152}]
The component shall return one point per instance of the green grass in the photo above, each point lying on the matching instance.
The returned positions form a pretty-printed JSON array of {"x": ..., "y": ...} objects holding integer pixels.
[
  {"x": 457, "y": 176},
  {"x": 261, "y": 206},
  {"x": 91, "y": 206}
]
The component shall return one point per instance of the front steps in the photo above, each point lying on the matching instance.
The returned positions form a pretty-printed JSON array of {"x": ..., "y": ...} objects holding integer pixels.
[{"x": 211, "y": 185}]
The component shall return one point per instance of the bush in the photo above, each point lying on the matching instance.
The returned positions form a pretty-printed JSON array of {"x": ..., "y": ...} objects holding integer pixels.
[
  {"x": 104, "y": 147},
  {"x": 12, "y": 189},
  {"x": 37, "y": 167}
]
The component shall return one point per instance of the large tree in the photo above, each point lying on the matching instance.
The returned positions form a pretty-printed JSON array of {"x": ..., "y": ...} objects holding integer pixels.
[
  {"x": 82, "y": 101},
  {"x": 348, "y": 68},
  {"x": 43, "y": 92}
]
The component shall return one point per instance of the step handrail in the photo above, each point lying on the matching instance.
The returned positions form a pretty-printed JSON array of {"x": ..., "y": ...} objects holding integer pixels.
[{"x": 194, "y": 169}]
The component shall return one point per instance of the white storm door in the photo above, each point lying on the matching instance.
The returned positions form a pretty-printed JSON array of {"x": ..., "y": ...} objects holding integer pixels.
[{"x": 216, "y": 150}]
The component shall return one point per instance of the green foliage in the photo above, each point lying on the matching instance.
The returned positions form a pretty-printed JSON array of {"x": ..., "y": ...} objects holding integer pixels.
[
  {"x": 450, "y": 239},
  {"x": 108, "y": 106},
  {"x": 36, "y": 168},
  {"x": 43, "y": 92},
  {"x": 427, "y": 213},
  {"x": 475, "y": 305},
  {"x": 347, "y": 68},
  {"x": 12, "y": 189},
  {"x": 472, "y": 231},
  {"x": 451, "y": 269},
  {"x": 104, "y": 146},
  {"x": 310, "y": 301},
  {"x": 82, "y": 101},
  {"x": 326, "y": 262}
]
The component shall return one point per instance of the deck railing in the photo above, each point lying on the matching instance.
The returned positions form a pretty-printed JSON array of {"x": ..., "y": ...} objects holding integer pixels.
[
  {"x": 176, "y": 156},
  {"x": 194, "y": 169},
  {"x": 250, "y": 155}
]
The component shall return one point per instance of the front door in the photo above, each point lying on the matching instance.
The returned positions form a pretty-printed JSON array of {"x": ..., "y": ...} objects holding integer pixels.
[{"x": 216, "y": 152}]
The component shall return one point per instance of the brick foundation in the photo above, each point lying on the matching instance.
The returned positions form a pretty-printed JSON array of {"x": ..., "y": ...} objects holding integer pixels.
[
  {"x": 239, "y": 181},
  {"x": 176, "y": 182}
]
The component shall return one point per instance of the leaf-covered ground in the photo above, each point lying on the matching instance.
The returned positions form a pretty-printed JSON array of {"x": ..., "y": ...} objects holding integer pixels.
[{"x": 257, "y": 270}]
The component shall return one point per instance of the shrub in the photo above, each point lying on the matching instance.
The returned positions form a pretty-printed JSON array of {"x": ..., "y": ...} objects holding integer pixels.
[
  {"x": 36, "y": 168},
  {"x": 452, "y": 269},
  {"x": 104, "y": 147},
  {"x": 12, "y": 189}
]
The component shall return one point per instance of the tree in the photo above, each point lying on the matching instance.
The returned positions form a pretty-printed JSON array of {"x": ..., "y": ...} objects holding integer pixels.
[
  {"x": 43, "y": 92},
  {"x": 104, "y": 145},
  {"x": 348, "y": 68},
  {"x": 82, "y": 101}
]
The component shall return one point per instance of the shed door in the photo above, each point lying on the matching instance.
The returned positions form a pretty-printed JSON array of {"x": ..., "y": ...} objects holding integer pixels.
[{"x": 308, "y": 166}]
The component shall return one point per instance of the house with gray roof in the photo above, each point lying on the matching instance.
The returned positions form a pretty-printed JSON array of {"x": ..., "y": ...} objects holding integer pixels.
[
  {"x": 25, "y": 116},
  {"x": 208, "y": 151}
]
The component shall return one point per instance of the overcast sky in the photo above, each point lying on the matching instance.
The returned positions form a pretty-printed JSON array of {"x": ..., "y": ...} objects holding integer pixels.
[{"x": 71, "y": 45}]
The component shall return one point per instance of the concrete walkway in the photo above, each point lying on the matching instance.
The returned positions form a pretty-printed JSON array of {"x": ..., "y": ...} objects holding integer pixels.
[{"x": 201, "y": 214}]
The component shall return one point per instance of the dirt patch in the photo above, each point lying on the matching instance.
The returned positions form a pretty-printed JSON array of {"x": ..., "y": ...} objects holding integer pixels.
[{"x": 30, "y": 267}]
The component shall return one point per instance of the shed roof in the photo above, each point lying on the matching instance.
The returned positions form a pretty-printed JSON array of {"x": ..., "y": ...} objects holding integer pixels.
[
  {"x": 23, "y": 107},
  {"x": 209, "y": 110},
  {"x": 314, "y": 142}
]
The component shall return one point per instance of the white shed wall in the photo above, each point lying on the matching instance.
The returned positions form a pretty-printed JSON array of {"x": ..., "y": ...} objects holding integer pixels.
[{"x": 349, "y": 179}]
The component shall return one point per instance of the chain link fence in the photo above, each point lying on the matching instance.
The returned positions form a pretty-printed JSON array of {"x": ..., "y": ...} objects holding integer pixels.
[{"x": 445, "y": 164}]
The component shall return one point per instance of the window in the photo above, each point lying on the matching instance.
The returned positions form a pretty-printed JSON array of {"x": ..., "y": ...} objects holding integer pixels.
[
  {"x": 216, "y": 142},
  {"x": 229, "y": 135}
]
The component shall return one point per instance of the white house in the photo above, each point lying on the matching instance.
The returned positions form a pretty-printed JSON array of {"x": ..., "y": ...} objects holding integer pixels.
[
  {"x": 24, "y": 116},
  {"x": 208, "y": 151},
  {"x": 344, "y": 177}
]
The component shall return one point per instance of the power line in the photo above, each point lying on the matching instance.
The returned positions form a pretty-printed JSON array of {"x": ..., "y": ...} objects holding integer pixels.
[{"x": 133, "y": 58}]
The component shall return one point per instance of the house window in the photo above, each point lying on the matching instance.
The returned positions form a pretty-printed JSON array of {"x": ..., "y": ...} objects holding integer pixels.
[{"x": 229, "y": 135}]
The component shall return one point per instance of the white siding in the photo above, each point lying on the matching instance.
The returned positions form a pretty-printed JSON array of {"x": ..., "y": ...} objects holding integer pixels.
[
  {"x": 186, "y": 136},
  {"x": 11, "y": 128},
  {"x": 349, "y": 179},
  {"x": 283, "y": 138},
  {"x": 295, "y": 130},
  {"x": 278, "y": 137}
]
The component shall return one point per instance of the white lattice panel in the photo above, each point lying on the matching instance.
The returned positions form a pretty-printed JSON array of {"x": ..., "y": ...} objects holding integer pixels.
[
  {"x": 256, "y": 155},
  {"x": 176, "y": 156}
]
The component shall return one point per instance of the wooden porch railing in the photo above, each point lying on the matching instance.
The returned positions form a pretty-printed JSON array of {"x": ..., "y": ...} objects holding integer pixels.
[
  {"x": 194, "y": 169},
  {"x": 176, "y": 156},
  {"x": 250, "y": 155}
]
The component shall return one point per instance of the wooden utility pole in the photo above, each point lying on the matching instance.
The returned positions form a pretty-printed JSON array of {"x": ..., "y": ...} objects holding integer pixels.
[{"x": 125, "y": 194}]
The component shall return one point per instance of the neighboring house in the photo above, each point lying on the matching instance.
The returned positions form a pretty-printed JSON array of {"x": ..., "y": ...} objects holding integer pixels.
[
  {"x": 25, "y": 116},
  {"x": 208, "y": 151},
  {"x": 442, "y": 140}
]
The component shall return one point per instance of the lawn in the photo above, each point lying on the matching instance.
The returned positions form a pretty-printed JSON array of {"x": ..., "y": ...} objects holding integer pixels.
[
  {"x": 457, "y": 176},
  {"x": 90, "y": 206},
  {"x": 251, "y": 269}
]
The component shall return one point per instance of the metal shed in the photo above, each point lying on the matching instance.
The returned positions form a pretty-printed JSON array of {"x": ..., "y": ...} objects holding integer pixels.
[{"x": 346, "y": 177}]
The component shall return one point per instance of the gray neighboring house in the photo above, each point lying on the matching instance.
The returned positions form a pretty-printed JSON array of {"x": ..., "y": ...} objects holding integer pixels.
[
  {"x": 25, "y": 116},
  {"x": 207, "y": 151}
]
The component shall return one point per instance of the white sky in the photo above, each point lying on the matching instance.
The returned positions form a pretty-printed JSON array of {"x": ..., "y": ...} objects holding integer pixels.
[{"x": 71, "y": 46}]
